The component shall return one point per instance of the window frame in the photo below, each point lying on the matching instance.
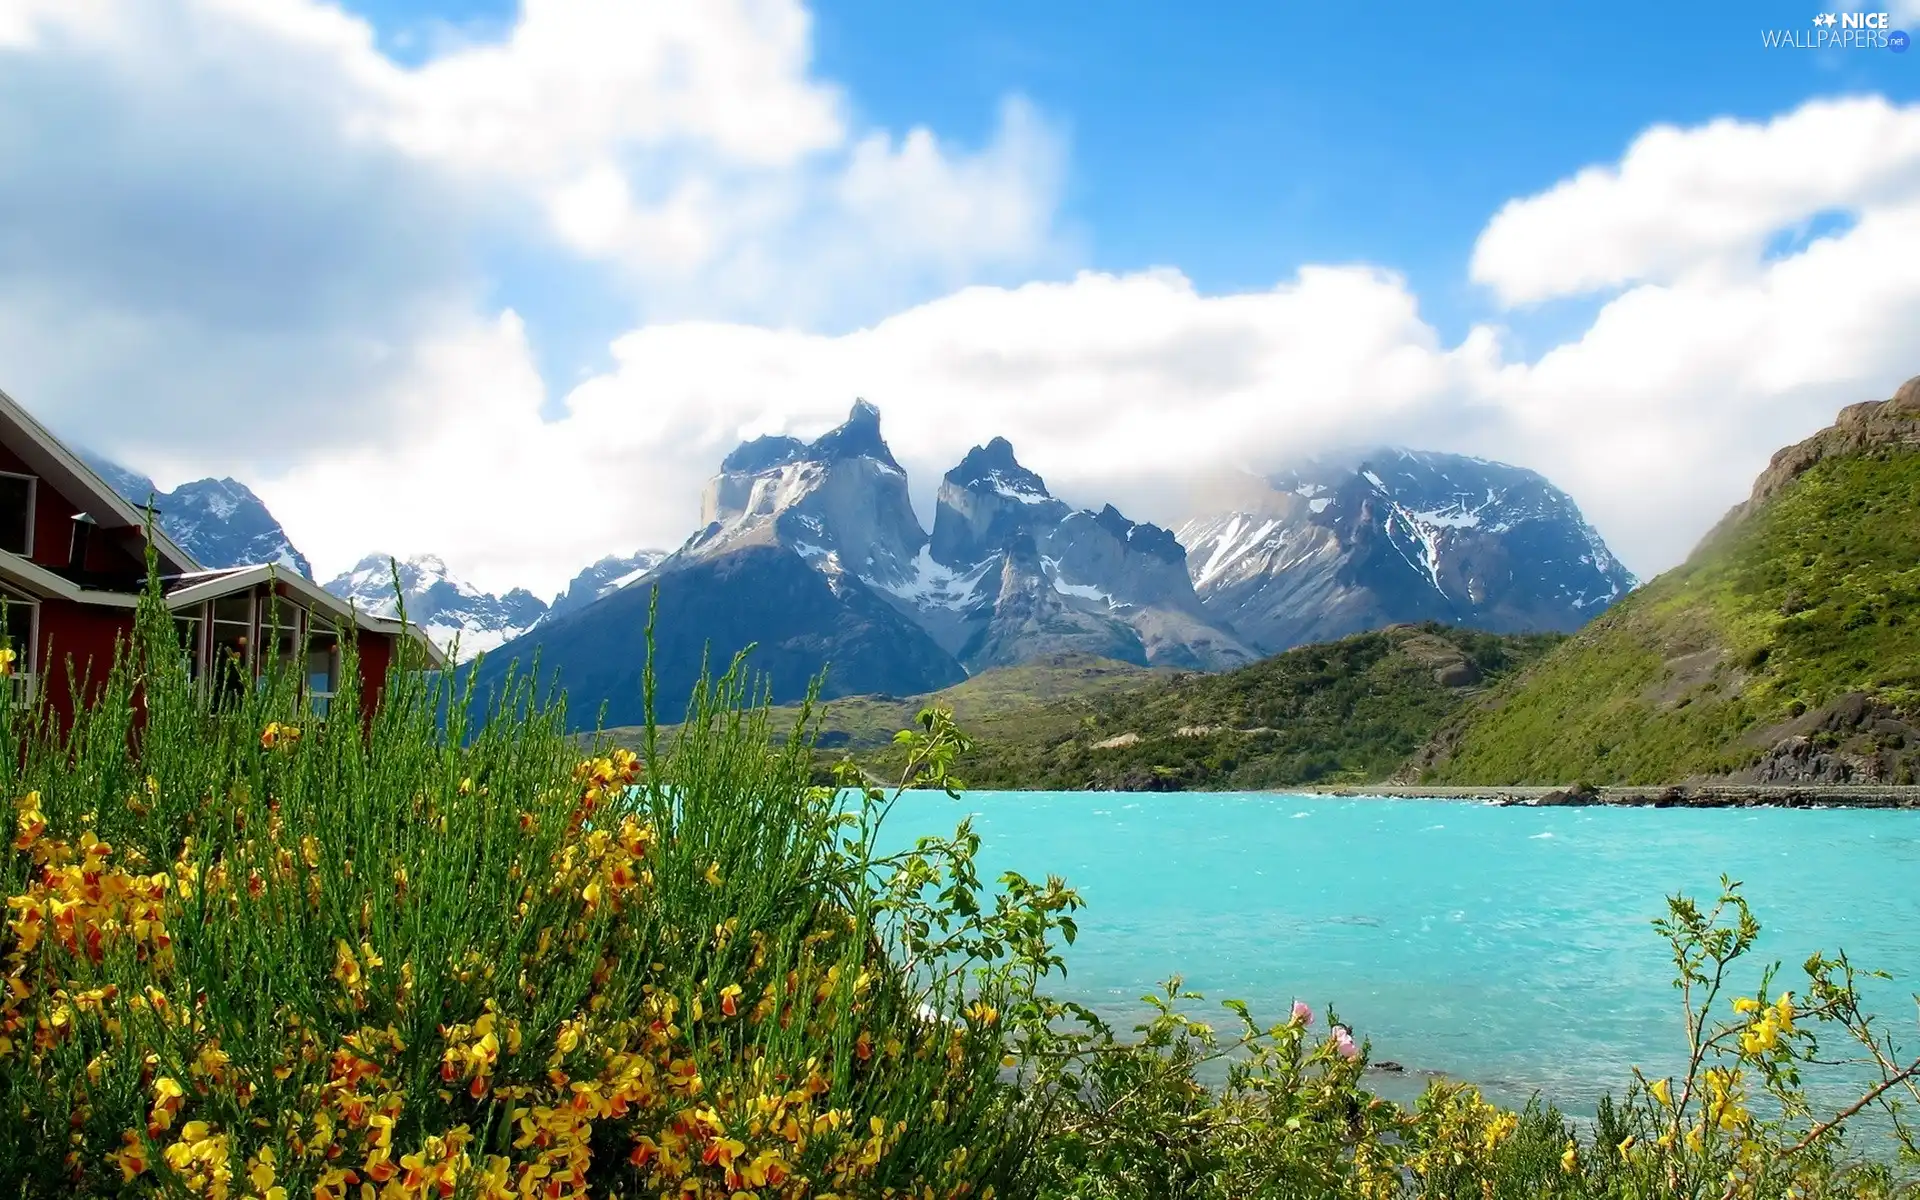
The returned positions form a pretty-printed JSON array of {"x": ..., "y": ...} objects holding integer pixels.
[
  {"x": 319, "y": 626},
  {"x": 21, "y": 683},
  {"x": 247, "y": 664},
  {"x": 198, "y": 619},
  {"x": 33, "y": 506},
  {"x": 275, "y": 617}
]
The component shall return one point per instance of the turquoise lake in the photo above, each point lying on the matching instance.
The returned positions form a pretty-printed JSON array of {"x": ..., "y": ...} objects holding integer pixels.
[{"x": 1508, "y": 946}]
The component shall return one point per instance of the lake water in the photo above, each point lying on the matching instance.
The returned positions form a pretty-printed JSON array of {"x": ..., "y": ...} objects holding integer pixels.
[{"x": 1504, "y": 945}]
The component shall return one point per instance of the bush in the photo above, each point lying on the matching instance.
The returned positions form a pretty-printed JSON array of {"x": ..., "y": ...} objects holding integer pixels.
[
  {"x": 252, "y": 953},
  {"x": 425, "y": 953}
]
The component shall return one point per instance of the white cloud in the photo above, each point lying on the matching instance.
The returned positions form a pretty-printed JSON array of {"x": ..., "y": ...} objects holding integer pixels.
[
  {"x": 1122, "y": 388},
  {"x": 235, "y": 238},
  {"x": 1701, "y": 201},
  {"x": 227, "y": 225}
]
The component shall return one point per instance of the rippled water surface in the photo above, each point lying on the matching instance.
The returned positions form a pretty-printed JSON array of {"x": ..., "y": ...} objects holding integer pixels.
[{"x": 1509, "y": 946}]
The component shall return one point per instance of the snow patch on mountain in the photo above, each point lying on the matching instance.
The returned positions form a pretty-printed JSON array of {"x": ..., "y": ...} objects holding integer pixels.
[{"x": 936, "y": 585}]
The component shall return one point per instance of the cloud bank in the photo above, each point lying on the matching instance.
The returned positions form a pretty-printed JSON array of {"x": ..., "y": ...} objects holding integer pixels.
[{"x": 235, "y": 238}]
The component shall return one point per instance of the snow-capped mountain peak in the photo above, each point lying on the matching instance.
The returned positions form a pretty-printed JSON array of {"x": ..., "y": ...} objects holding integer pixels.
[
  {"x": 994, "y": 468},
  {"x": 839, "y": 501},
  {"x": 604, "y": 578},
  {"x": 446, "y": 607},
  {"x": 1354, "y": 541},
  {"x": 218, "y": 521}
]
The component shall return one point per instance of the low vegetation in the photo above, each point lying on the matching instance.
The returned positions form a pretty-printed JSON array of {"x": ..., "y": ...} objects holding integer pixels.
[
  {"x": 444, "y": 953},
  {"x": 991, "y": 703},
  {"x": 1346, "y": 711},
  {"x": 1813, "y": 601}
]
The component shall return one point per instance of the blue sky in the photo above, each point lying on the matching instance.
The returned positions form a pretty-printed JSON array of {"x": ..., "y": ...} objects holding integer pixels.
[
  {"x": 1238, "y": 141},
  {"x": 400, "y": 265}
]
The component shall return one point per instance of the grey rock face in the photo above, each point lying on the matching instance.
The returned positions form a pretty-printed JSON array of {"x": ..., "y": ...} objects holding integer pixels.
[
  {"x": 1357, "y": 542},
  {"x": 840, "y": 502},
  {"x": 1029, "y": 618},
  {"x": 1068, "y": 580},
  {"x": 986, "y": 502}
]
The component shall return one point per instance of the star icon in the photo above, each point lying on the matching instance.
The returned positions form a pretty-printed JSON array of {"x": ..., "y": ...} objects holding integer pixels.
[{"x": 1826, "y": 19}]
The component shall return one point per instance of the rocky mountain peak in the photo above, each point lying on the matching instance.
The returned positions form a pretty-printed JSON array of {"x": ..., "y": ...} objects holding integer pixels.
[
  {"x": 1141, "y": 537},
  {"x": 839, "y": 501},
  {"x": 986, "y": 502},
  {"x": 1860, "y": 427},
  {"x": 857, "y": 437},
  {"x": 603, "y": 578},
  {"x": 994, "y": 467}
]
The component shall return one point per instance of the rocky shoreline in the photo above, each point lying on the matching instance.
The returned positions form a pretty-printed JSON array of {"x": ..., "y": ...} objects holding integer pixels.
[{"x": 1685, "y": 795}]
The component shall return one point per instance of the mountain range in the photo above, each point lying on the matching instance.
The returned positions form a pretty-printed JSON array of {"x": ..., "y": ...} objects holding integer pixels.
[
  {"x": 1009, "y": 573},
  {"x": 223, "y": 524},
  {"x": 1364, "y": 540},
  {"x": 811, "y": 552}
]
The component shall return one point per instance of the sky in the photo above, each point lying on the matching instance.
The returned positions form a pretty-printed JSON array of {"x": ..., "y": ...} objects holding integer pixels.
[{"x": 503, "y": 280}]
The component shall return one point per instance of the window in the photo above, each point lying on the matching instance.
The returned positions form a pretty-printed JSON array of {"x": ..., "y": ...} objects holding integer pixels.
[
  {"x": 16, "y": 513},
  {"x": 230, "y": 643},
  {"x": 22, "y": 625},
  {"x": 323, "y": 664},
  {"x": 189, "y": 625},
  {"x": 279, "y": 635}
]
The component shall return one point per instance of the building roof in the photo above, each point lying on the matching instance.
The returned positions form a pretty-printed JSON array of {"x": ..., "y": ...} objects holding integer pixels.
[
  {"x": 80, "y": 483},
  {"x": 29, "y": 576}
]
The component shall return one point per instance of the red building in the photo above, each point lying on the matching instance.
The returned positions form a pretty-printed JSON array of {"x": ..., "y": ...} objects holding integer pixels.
[{"x": 73, "y": 565}]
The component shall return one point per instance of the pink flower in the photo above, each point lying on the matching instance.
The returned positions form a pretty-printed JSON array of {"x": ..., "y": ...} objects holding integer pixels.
[
  {"x": 1302, "y": 1014},
  {"x": 1343, "y": 1043}
]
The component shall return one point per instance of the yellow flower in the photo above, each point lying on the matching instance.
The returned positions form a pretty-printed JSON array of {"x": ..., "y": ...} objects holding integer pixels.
[
  {"x": 1661, "y": 1092},
  {"x": 260, "y": 1174},
  {"x": 1567, "y": 1159},
  {"x": 713, "y": 875},
  {"x": 7, "y": 658}
]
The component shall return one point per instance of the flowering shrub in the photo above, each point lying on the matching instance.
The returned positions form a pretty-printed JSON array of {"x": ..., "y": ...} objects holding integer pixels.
[{"x": 252, "y": 953}]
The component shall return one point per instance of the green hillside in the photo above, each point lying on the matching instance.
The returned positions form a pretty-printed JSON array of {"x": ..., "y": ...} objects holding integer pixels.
[
  {"x": 1794, "y": 627},
  {"x": 985, "y": 704},
  {"x": 1346, "y": 711}
]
